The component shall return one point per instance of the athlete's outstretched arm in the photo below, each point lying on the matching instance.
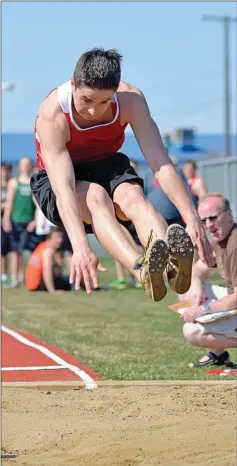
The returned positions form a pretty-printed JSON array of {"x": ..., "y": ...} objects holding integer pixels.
[
  {"x": 61, "y": 176},
  {"x": 150, "y": 142},
  {"x": 51, "y": 132}
]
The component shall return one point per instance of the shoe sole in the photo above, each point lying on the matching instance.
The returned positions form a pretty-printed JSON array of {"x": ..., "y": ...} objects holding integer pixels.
[
  {"x": 157, "y": 262},
  {"x": 182, "y": 251}
]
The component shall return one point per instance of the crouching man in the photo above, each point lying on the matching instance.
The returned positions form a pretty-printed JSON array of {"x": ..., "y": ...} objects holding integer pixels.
[
  {"x": 44, "y": 269},
  {"x": 217, "y": 218}
]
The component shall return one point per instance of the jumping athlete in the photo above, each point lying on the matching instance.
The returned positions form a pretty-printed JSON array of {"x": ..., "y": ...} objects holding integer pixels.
[{"x": 86, "y": 185}]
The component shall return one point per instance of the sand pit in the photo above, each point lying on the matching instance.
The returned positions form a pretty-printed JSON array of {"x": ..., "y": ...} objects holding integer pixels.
[{"x": 128, "y": 426}]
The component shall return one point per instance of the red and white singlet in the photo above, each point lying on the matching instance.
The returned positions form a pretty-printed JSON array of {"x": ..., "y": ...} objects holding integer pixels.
[{"x": 87, "y": 144}]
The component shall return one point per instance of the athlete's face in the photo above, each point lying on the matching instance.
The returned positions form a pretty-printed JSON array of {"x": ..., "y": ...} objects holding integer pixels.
[{"x": 91, "y": 103}]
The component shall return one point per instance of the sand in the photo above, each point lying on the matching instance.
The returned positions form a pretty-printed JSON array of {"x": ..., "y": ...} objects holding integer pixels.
[{"x": 146, "y": 425}]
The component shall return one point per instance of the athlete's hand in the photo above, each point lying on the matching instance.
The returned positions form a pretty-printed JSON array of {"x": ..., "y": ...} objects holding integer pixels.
[
  {"x": 84, "y": 265},
  {"x": 199, "y": 240},
  {"x": 7, "y": 225}
]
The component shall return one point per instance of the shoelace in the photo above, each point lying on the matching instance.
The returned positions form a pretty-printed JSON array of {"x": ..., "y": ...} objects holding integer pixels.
[{"x": 141, "y": 259}]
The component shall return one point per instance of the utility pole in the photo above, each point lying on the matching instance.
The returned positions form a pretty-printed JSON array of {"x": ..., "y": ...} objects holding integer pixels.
[{"x": 226, "y": 21}]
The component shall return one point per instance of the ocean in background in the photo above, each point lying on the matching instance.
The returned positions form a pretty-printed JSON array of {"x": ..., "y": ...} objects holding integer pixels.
[{"x": 17, "y": 145}]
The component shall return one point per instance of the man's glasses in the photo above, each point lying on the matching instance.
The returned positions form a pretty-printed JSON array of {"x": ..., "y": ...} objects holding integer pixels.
[{"x": 212, "y": 218}]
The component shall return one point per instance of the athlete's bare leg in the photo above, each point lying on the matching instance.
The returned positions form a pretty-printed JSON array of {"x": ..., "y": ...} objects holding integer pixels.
[
  {"x": 140, "y": 211},
  {"x": 132, "y": 202},
  {"x": 97, "y": 208},
  {"x": 119, "y": 268}
]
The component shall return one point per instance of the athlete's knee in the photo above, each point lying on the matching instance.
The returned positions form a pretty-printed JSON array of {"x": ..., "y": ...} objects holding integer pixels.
[
  {"x": 129, "y": 197},
  {"x": 97, "y": 197}
]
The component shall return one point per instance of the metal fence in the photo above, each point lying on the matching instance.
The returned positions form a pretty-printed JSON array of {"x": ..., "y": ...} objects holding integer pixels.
[{"x": 220, "y": 175}]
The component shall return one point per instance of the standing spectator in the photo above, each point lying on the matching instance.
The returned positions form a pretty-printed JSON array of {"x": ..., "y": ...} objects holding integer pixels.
[
  {"x": 18, "y": 218},
  {"x": 195, "y": 182},
  {"x": 5, "y": 239}
]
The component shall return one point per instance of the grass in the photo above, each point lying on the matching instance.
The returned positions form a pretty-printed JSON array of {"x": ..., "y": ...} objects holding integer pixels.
[{"x": 120, "y": 334}]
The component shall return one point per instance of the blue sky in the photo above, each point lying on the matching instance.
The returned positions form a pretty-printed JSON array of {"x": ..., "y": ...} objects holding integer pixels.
[{"x": 169, "y": 53}]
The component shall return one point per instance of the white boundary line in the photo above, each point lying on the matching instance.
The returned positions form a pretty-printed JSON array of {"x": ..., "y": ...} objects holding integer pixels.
[
  {"x": 89, "y": 382},
  {"x": 31, "y": 368}
]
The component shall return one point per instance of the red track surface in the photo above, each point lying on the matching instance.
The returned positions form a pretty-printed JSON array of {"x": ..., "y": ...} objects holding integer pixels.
[{"x": 16, "y": 354}]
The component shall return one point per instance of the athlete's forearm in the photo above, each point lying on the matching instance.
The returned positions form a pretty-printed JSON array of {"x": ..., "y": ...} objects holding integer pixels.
[
  {"x": 172, "y": 185},
  {"x": 71, "y": 216}
]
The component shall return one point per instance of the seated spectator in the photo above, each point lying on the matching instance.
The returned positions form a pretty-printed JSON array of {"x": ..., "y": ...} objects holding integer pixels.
[
  {"x": 18, "y": 218},
  {"x": 195, "y": 182},
  {"x": 44, "y": 269},
  {"x": 217, "y": 218},
  {"x": 5, "y": 237}
]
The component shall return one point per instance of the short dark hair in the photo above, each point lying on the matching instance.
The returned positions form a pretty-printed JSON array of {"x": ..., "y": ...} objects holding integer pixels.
[{"x": 99, "y": 69}]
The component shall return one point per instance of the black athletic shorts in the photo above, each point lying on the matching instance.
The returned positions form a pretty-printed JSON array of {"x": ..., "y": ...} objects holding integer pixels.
[{"x": 109, "y": 173}]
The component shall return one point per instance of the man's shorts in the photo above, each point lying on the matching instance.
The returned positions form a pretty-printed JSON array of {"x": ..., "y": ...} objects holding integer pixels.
[
  {"x": 108, "y": 173},
  {"x": 20, "y": 238},
  {"x": 226, "y": 326}
]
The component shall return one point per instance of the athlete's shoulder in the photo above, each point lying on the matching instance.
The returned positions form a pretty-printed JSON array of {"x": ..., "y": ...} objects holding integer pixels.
[
  {"x": 50, "y": 108},
  {"x": 132, "y": 102},
  {"x": 128, "y": 91},
  {"x": 131, "y": 99},
  {"x": 51, "y": 115}
]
